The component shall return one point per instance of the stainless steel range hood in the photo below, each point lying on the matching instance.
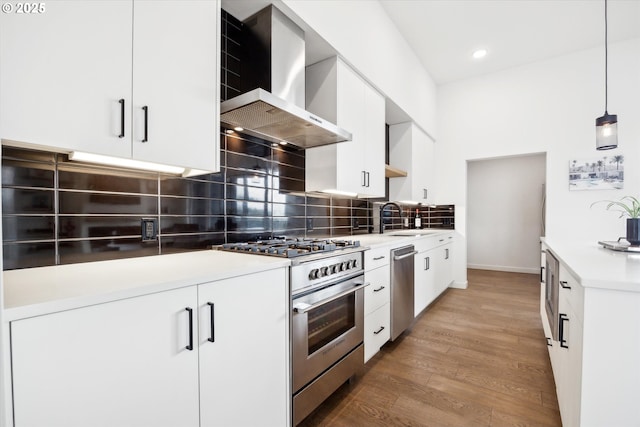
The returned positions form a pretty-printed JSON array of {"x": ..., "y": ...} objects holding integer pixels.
[
  {"x": 265, "y": 115},
  {"x": 274, "y": 71}
]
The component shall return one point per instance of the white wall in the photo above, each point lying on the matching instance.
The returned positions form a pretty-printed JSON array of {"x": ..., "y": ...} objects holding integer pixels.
[
  {"x": 549, "y": 106},
  {"x": 504, "y": 215},
  {"x": 364, "y": 35}
]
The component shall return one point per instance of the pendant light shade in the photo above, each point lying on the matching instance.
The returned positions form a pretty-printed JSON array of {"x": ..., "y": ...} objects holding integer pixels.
[
  {"x": 607, "y": 125},
  {"x": 607, "y": 131}
]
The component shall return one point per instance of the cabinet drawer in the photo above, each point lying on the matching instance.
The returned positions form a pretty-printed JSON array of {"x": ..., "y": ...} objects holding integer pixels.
[
  {"x": 377, "y": 293},
  {"x": 376, "y": 330},
  {"x": 572, "y": 291},
  {"x": 374, "y": 258}
]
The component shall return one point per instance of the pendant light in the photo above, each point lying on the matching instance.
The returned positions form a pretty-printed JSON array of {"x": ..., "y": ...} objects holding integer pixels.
[{"x": 607, "y": 125}]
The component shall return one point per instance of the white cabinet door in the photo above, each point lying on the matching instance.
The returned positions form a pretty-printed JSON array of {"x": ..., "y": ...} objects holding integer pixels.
[
  {"x": 377, "y": 330},
  {"x": 337, "y": 92},
  {"x": 175, "y": 64},
  {"x": 373, "y": 144},
  {"x": 378, "y": 292},
  {"x": 244, "y": 370},
  {"x": 424, "y": 275},
  {"x": 411, "y": 150},
  {"x": 63, "y": 73},
  {"x": 122, "y": 364},
  {"x": 443, "y": 267},
  {"x": 351, "y": 116}
]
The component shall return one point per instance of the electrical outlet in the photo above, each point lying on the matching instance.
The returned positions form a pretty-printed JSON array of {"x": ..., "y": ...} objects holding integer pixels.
[
  {"x": 309, "y": 224},
  {"x": 149, "y": 229}
]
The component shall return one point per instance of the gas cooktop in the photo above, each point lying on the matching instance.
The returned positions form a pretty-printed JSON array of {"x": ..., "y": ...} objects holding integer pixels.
[{"x": 291, "y": 247}]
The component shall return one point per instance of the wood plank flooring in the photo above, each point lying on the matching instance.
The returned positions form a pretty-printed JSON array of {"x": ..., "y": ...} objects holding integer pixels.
[{"x": 475, "y": 357}]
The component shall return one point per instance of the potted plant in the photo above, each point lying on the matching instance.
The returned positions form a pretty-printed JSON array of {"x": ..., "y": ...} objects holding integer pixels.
[{"x": 628, "y": 206}]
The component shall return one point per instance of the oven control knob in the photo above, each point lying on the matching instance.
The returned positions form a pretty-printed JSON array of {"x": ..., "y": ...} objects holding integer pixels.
[
  {"x": 313, "y": 274},
  {"x": 336, "y": 268},
  {"x": 324, "y": 271},
  {"x": 344, "y": 266},
  {"x": 354, "y": 263}
]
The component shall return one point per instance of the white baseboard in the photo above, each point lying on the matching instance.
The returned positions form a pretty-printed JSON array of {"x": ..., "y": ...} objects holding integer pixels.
[
  {"x": 459, "y": 285},
  {"x": 505, "y": 268}
]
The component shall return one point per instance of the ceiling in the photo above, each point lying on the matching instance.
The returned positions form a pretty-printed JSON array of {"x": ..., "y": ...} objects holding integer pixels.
[{"x": 444, "y": 33}]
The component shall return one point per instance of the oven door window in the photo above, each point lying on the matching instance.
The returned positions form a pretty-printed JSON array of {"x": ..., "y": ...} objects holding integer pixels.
[{"x": 330, "y": 321}]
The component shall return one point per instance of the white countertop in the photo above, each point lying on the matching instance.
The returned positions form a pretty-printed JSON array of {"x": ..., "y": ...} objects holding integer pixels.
[
  {"x": 377, "y": 240},
  {"x": 596, "y": 267},
  {"x": 36, "y": 291}
]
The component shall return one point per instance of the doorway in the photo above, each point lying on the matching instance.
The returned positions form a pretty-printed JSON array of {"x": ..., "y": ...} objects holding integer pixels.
[{"x": 505, "y": 213}]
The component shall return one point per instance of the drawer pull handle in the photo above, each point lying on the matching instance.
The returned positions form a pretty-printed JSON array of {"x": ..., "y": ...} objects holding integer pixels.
[
  {"x": 379, "y": 330},
  {"x": 146, "y": 123},
  {"x": 549, "y": 342},
  {"x": 563, "y": 342},
  {"x": 378, "y": 258},
  {"x": 379, "y": 289},
  {"x": 121, "y": 101},
  {"x": 190, "y": 311},
  {"x": 564, "y": 285},
  {"x": 212, "y": 338}
]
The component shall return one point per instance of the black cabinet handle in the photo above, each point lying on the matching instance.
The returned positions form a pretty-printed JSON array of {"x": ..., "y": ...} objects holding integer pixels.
[
  {"x": 212, "y": 338},
  {"x": 379, "y": 330},
  {"x": 368, "y": 179},
  {"x": 564, "y": 285},
  {"x": 146, "y": 123},
  {"x": 378, "y": 258},
  {"x": 379, "y": 289},
  {"x": 364, "y": 178},
  {"x": 427, "y": 263},
  {"x": 563, "y": 318},
  {"x": 549, "y": 342},
  {"x": 446, "y": 252},
  {"x": 542, "y": 275},
  {"x": 121, "y": 101},
  {"x": 190, "y": 311}
]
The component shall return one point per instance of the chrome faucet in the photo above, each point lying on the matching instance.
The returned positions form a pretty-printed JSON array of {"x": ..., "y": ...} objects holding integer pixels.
[{"x": 382, "y": 208}]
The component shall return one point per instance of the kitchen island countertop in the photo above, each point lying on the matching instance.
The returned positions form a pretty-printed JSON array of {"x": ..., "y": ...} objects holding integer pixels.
[
  {"x": 596, "y": 267},
  {"x": 37, "y": 291}
]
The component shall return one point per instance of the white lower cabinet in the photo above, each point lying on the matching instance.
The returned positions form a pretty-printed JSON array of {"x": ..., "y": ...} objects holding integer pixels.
[
  {"x": 244, "y": 369},
  {"x": 377, "y": 327},
  {"x": 433, "y": 271},
  {"x": 123, "y": 363},
  {"x": 377, "y": 309},
  {"x": 148, "y": 360},
  {"x": 425, "y": 280}
]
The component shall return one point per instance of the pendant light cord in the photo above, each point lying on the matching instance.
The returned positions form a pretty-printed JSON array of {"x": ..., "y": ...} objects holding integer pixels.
[{"x": 606, "y": 77}]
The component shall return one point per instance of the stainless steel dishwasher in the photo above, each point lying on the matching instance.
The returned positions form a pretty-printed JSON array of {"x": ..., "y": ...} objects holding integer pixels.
[{"x": 402, "y": 292}]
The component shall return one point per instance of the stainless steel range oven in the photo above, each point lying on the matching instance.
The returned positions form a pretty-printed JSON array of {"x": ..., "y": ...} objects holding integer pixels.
[{"x": 327, "y": 320}]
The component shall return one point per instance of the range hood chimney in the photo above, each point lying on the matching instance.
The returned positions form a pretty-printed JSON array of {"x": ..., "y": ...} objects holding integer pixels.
[{"x": 273, "y": 72}]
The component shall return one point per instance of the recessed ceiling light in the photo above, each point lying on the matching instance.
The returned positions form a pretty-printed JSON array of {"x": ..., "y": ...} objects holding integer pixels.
[
  {"x": 229, "y": 131},
  {"x": 480, "y": 53},
  {"x": 283, "y": 142},
  {"x": 238, "y": 129}
]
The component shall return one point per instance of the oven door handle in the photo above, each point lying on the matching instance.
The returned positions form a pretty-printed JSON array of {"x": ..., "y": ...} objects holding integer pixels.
[
  {"x": 399, "y": 257},
  {"x": 302, "y": 307}
]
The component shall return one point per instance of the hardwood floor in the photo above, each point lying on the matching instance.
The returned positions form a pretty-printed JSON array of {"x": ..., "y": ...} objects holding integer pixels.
[{"x": 476, "y": 357}]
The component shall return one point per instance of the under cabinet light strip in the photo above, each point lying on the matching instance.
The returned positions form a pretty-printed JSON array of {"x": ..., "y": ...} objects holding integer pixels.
[{"x": 126, "y": 163}]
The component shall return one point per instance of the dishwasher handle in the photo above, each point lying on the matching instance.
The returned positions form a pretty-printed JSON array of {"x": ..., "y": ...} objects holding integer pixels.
[{"x": 407, "y": 255}]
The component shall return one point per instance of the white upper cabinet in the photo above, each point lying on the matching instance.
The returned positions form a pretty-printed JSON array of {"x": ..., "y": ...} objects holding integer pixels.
[
  {"x": 176, "y": 77},
  {"x": 63, "y": 73},
  {"x": 77, "y": 76},
  {"x": 412, "y": 150},
  {"x": 337, "y": 93}
]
